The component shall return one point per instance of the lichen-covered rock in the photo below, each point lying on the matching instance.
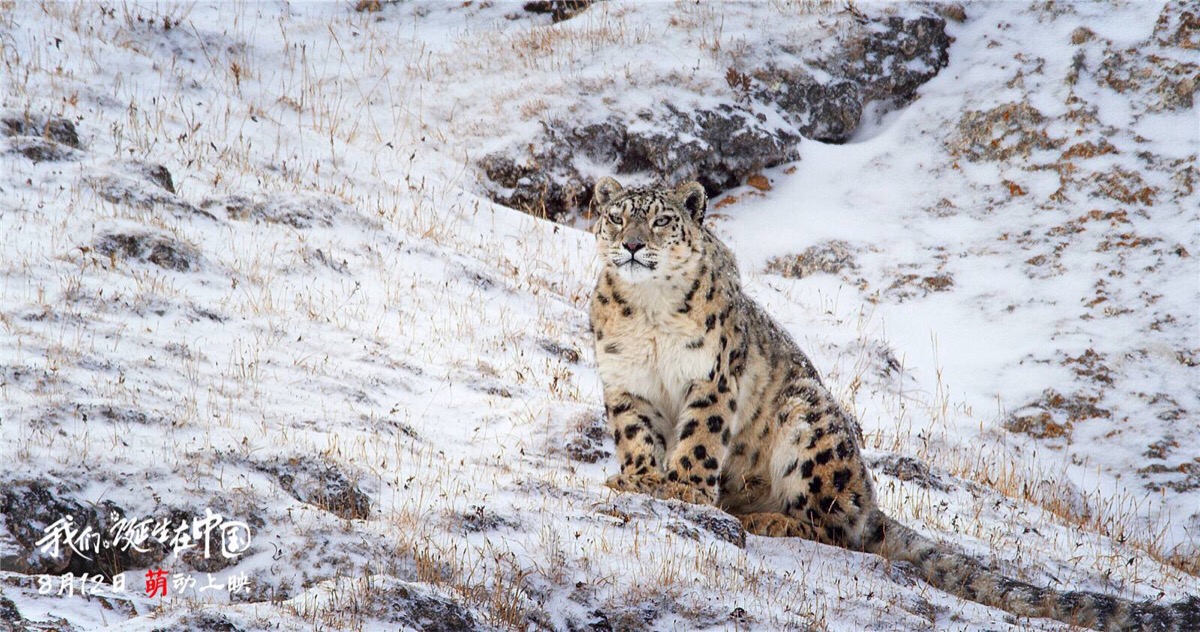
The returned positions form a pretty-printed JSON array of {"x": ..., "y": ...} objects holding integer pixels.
[
  {"x": 1178, "y": 25},
  {"x": 834, "y": 257},
  {"x": 1054, "y": 415},
  {"x": 896, "y": 56},
  {"x": 1005, "y": 131},
  {"x": 1173, "y": 83},
  {"x": 828, "y": 111}
]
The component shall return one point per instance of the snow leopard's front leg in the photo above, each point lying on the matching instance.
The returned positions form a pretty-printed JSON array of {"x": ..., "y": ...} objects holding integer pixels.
[
  {"x": 639, "y": 434},
  {"x": 704, "y": 426}
]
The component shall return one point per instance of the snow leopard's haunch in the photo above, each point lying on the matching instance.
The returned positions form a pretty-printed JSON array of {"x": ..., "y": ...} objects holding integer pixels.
[{"x": 711, "y": 402}]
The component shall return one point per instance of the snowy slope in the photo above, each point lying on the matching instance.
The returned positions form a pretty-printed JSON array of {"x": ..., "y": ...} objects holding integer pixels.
[{"x": 319, "y": 327}]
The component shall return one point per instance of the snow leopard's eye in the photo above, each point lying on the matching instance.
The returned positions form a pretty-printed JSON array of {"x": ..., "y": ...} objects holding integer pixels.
[
  {"x": 615, "y": 218},
  {"x": 662, "y": 220}
]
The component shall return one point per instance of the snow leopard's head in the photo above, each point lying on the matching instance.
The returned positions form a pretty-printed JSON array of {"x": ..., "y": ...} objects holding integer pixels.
[{"x": 646, "y": 234}]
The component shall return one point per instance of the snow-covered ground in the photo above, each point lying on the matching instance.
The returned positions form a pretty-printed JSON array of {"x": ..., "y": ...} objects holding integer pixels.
[{"x": 317, "y": 324}]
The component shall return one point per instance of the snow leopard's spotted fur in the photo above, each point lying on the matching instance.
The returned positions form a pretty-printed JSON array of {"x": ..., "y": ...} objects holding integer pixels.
[{"x": 709, "y": 401}]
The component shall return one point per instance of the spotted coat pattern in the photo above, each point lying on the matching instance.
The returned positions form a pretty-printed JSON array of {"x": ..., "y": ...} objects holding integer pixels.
[{"x": 709, "y": 401}]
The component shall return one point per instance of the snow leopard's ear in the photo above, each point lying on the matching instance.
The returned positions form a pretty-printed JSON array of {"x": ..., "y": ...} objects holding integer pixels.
[
  {"x": 693, "y": 198},
  {"x": 605, "y": 190}
]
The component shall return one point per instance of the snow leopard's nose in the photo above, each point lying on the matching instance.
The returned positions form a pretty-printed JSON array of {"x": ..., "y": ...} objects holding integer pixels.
[{"x": 634, "y": 246}]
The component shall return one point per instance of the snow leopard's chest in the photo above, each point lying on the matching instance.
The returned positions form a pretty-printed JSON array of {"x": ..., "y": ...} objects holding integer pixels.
[{"x": 658, "y": 357}]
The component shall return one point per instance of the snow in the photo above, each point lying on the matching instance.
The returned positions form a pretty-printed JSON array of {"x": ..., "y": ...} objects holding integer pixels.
[{"x": 354, "y": 299}]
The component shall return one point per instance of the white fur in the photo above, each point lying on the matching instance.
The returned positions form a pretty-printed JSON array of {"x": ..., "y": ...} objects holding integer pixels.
[{"x": 654, "y": 361}]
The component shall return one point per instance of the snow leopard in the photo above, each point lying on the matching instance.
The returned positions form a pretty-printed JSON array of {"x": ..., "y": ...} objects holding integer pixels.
[{"x": 710, "y": 401}]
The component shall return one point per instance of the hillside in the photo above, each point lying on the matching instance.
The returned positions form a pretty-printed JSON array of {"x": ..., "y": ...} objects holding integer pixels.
[{"x": 290, "y": 263}]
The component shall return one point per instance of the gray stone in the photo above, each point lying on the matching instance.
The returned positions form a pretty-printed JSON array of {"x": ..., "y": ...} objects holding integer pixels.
[
  {"x": 320, "y": 483},
  {"x": 422, "y": 607},
  {"x": 30, "y": 507},
  {"x": 880, "y": 61},
  {"x": 163, "y": 251}
]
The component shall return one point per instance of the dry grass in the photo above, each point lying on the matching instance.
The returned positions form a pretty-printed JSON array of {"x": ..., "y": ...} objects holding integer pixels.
[{"x": 296, "y": 336}]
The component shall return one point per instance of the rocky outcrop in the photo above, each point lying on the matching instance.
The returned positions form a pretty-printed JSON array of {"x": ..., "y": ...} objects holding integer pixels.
[
  {"x": 767, "y": 113},
  {"x": 32, "y": 508}
]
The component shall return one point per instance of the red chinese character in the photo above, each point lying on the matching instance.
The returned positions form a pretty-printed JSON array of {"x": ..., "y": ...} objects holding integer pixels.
[{"x": 156, "y": 581}]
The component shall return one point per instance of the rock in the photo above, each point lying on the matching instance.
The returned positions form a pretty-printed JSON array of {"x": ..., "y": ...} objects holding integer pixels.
[
  {"x": 717, "y": 523},
  {"x": 1005, "y": 131},
  {"x": 41, "y": 139},
  {"x": 39, "y": 149},
  {"x": 560, "y": 351},
  {"x": 1054, "y": 415},
  {"x": 112, "y": 414},
  {"x": 559, "y": 10},
  {"x": 420, "y": 606},
  {"x": 56, "y": 129},
  {"x": 760, "y": 182},
  {"x": 528, "y": 187},
  {"x": 63, "y": 131},
  {"x": 587, "y": 441},
  {"x": 30, "y": 507},
  {"x": 12, "y": 621},
  {"x": 907, "y": 468},
  {"x": 479, "y": 519},
  {"x": 755, "y": 125},
  {"x": 141, "y": 186},
  {"x": 1081, "y": 35},
  {"x": 160, "y": 176},
  {"x": 1133, "y": 70},
  {"x": 829, "y": 257},
  {"x": 203, "y": 621},
  {"x": 1179, "y": 25},
  {"x": 894, "y": 56},
  {"x": 907, "y": 286},
  {"x": 738, "y": 144},
  {"x": 301, "y": 211},
  {"x": 161, "y": 250},
  {"x": 318, "y": 482},
  {"x": 953, "y": 12},
  {"x": 828, "y": 112},
  {"x": 718, "y": 147},
  {"x": 9, "y": 615},
  {"x": 688, "y": 520}
]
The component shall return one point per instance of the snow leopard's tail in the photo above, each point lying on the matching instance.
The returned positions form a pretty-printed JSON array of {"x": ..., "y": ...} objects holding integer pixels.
[{"x": 966, "y": 577}]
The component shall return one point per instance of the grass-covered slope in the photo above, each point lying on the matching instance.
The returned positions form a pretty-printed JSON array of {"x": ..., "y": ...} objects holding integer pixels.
[{"x": 247, "y": 263}]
